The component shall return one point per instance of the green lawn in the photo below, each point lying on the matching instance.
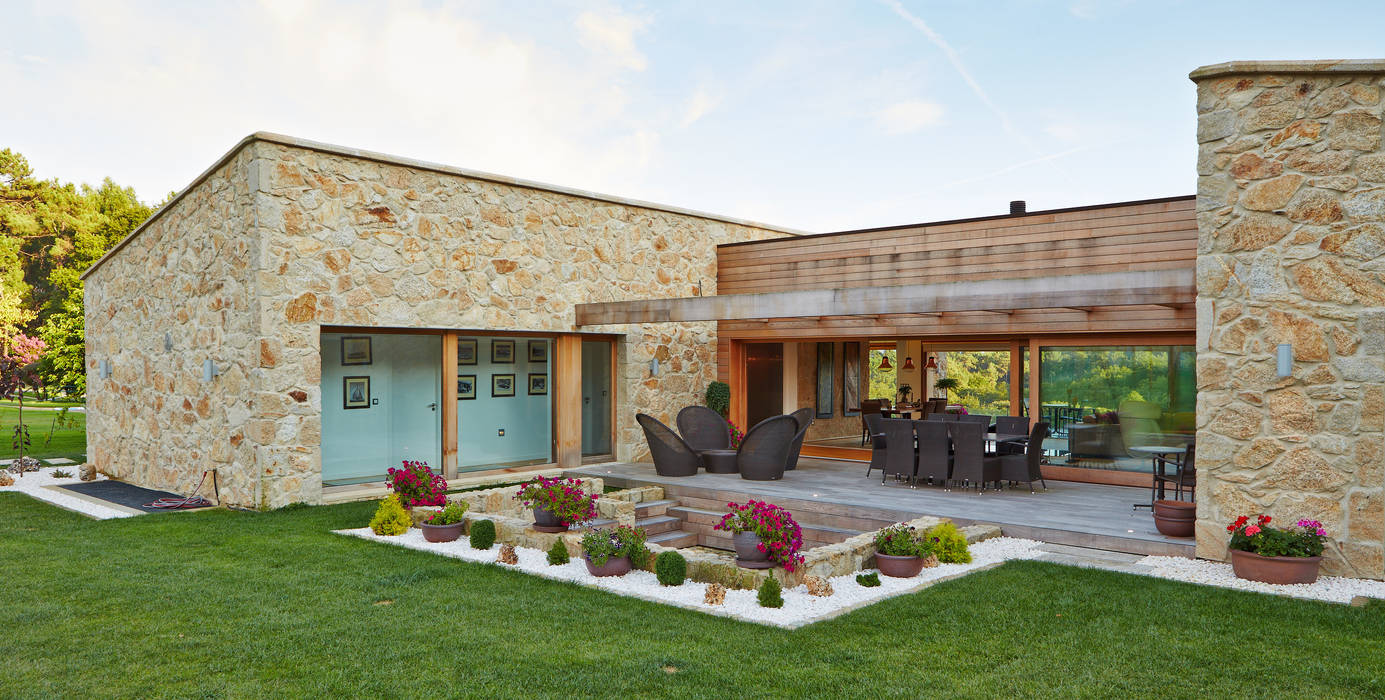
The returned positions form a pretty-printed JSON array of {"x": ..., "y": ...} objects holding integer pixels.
[
  {"x": 222, "y": 603},
  {"x": 68, "y": 442}
]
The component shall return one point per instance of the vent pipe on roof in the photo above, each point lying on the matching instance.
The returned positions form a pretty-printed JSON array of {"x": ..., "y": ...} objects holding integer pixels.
[{"x": 1016, "y": 207}]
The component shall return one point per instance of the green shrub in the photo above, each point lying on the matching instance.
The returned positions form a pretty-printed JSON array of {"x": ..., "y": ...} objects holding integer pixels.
[
  {"x": 390, "y": 518},
  {"x": 869, "y": 580},
  {"x": 949, "y": 544},
  {"x": 770, "y": 594},
  {"x": 482, "y": 534},
  {"x": 557, "y": 556},
  {"x": 718, "y": 397},
  {"x": 670, "y": 568}
]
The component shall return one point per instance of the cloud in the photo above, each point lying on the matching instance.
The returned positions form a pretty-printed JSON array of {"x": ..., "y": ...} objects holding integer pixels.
[
  {"x": 909, "y": 116},
  {"x": 613, "y": 34},
  {"x": 699, "y": 105}
]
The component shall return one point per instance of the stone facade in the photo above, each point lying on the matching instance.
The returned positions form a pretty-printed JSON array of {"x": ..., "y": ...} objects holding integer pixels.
[
  {"x": 1291, "y": 219},
  {"x": 840, "y": 424},
  {"x": 284, "y": 236}
]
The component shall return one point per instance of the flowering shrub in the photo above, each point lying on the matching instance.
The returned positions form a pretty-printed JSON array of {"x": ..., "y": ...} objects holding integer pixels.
[
  {"x": 735, "y": 433},
  {"x": 417, "y": 485},
  {"x": 621, "y": 541},
  {"x": 900, "y": 540},
  {"x": 451, "y": 514},
  {"x": 564, "y": 498},
  {"x": 780, "y": 536},
  {"x": 1304, "y": 539}
]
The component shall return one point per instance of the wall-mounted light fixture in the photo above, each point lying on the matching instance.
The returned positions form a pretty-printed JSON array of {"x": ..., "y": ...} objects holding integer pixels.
[
  {"x": 209, "y": 370},
  {"x": 103, "y": 368},
  {"x": 1285, "y": 357},
  {"x": 654, "y": 367}
]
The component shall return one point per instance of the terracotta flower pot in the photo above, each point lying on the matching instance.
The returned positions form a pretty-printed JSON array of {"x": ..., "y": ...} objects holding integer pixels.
[
  {"x": 748, "y": 554},
  {"x": 898, "y": 567},
  {"x": 614, "y": 566},
  {"x": 1278, "y": 570},
  {"x": 442, "y": 533},
  {"x": 546, "y": 521},
  {"x": 1175, "y": 518}
]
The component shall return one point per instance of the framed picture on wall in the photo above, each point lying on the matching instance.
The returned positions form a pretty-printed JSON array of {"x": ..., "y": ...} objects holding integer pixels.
[
  {"x": 851, "y": 379},
  {"x": 538, "y": 384},
  {"x": 825, "y": 380},
  {"x": 466, "y": 387},
  {"x": 355, "y": 392},
  {"x": 503, "y": 352},
  {"x": 355, "y": 350},
  {"x": 466, "y": 351},
  {"x": 502, "y": 385},
  {"x": 538, "y": 351}
]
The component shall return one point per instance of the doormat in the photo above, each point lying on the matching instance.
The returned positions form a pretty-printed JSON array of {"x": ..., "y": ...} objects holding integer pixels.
[{"x": 123, "y": 494}]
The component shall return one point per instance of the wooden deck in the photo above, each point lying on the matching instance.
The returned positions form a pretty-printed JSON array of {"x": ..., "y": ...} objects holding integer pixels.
[{"x": 837, "y": 494}]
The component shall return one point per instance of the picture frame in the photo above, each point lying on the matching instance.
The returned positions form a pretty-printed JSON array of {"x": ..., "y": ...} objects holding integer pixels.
[
  {"x": 355, "y": 350},
  {"x": 466, "y": 387},
  {"x": 355, "y": 392},
  {"x": 538, "y": 351},
  {"x": 851, "y": 379},
  {"x": 502, "y": 352},
  {"x": 502, "y": 385},
  {"x": 825, "y": 380},
  {"x": 538, "y": 384},
  {"x": 466, "y": 351}
]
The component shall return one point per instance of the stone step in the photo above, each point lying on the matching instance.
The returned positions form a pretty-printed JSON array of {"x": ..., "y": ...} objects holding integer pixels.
[
  {"x": 658, "y": 524},
  {"x": 599, "y": 522},
  {"x": 673, "y": 538},
  {"x": 805, "y": 512},
  {"x": 649, "y": 509},
  {"x": 702, "y": 521}
]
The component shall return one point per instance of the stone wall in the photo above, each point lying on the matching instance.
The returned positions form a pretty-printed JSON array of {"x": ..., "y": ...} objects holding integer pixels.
[
  {"x": 839, "y": 425},
  {"x": 1291, "y": 219}
]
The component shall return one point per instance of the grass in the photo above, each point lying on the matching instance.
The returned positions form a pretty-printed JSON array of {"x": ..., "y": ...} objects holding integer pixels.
[
  {"x": 223, "y": 603},
  {"x": 68, "y": 442},
  {"x": 30, "y": 401}
]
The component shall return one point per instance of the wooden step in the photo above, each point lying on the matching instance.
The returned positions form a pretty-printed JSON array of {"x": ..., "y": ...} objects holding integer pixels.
[
  {"x": 658, "y": 524},
  {"x": 673, "y": 538},
  {"x": 649, "y": 509}
]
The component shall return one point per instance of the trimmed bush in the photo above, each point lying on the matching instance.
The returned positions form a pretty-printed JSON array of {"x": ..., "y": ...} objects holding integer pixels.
[
  {"x": 482, "y": 534},
  {"x": 949, "y": 544},
  {"x": 670, "y": 568},
  {"x": 770, "y": 594},
  {"x": 390, "y": 518},
  {"x": 557, "y": 556},
  {"x": 718, "y": 397},
  {"x": 869, "y": 580}
]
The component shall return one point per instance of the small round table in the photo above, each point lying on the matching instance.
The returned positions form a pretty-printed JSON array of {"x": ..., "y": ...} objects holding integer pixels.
[
  {"x": 1156, "y": 467},
  {"x": 719, "y": 461}
]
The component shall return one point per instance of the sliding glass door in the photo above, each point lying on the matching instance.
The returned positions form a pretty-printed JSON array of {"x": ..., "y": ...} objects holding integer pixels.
[{"x": 504, "y": 402}]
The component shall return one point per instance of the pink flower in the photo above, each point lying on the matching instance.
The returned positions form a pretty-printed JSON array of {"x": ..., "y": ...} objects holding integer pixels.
[
  {"x": 1322, "y": 532},
  {"x": 1253, "y": 530}
]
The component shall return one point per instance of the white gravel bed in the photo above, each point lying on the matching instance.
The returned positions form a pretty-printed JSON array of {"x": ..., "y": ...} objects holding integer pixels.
[
  {"x": 1333, "y": 589},
  {"x": 800, "y": 608},
  {"x": 35, "y": 484}
]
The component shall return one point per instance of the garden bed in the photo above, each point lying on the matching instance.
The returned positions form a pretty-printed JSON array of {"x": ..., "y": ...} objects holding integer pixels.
[
  {"x": 1332, "y": 589},
  {"x": 39, "y": 485}
]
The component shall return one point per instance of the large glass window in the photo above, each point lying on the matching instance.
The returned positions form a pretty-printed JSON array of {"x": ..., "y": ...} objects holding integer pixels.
[
  {"x": 983, "y": 380},
  {"x": 381, "y": 404},
  {"x": 504, "y": 402},
  {"x": 883, "y": 379}
]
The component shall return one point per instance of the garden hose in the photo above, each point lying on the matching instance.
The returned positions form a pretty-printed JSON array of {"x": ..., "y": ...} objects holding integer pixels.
[{"x": 190, "y": 501}]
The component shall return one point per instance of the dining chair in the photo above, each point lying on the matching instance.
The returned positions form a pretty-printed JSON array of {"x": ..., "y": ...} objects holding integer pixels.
[
  {"x": 877, "y": 442},
  {"x": 868, "y": 407},
  {"x": 1027, "y": 466},
  {"x": 970, "y": 463},
  {"x": 899, "y": 449},
  {"x": 934, "y": 462},
  {"x": 1011, "y": 425}
]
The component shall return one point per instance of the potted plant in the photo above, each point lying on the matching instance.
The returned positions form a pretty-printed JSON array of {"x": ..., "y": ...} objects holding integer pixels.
[
  {"x": 764, "y": 535},
  {"x": 417, "y": 485},
  {"x": 445, "y": 525},
  {"x": 945, "y": 384},
  {"x": 1262, "y": 552},
  {"x": 904, "y": 392},
  {"x": 611, "y": 552},
  {"x": 557, "y": 503},
  {"x": 1175, "y": 518},
  {"x": 900, "y": 551}
]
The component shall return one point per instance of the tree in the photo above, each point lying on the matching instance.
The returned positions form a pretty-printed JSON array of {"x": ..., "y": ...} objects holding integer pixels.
[{"x": 18, "y": 368}]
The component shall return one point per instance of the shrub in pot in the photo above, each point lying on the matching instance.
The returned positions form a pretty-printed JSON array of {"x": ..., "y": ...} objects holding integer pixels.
[
  {"x": 764, "y": 535},
  {"x": 613, "y": 551},
  {"x": 416, "y": 485},
  {"x": 445, "y": 525},
  {"x": 670, "y": 568},
  {"x": 557, "y": 503},
  {"x": 390, "y": 518},
  {"x": 948, "y": 543},
  {"x": 482, "y": 534},
  {"x": 900, "y": 550},
  {"x": 1262, "y": 552}
]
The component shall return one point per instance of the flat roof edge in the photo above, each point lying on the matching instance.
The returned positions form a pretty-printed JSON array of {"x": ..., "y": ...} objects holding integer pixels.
[{"x": 1345, "y": 65}]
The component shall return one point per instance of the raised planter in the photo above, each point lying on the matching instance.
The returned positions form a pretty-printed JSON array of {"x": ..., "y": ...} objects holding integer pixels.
[
  {"x": 1277, "y": 570},
  {"x": 614, "y": 566},
  {"x": 546, "y": 521},
  {"x": 442, "y": 533},
  {"x": 898, "y": 567},
  {"x": 748, "y": 554},
  {"x": 1175, "y": 518}
]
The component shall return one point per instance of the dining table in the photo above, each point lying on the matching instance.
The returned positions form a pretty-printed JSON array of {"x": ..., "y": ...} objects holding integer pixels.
[{"x": 1159, "y": 458}]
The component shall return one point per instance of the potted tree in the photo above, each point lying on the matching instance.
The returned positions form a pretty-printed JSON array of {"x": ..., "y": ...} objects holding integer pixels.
[
  {"x": 446, "y": 524},
  {"x": 763, "y": 534},
  {"x": 900, "y": 551},
  {"x": 557, "y": 503},
  {"x": 1262, "y": 552},
  {"x": 945, "y": 384},
  {"x": 612, "y": 552}
]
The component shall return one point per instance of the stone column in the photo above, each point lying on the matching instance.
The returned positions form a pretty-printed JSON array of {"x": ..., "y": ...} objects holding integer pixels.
[{"x": 1291, "y": 231}]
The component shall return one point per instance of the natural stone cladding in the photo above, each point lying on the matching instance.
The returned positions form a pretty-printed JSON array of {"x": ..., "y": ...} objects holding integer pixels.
[
  {"x": 285, "y": 236},
  {"x": 1291, "y": 221}
]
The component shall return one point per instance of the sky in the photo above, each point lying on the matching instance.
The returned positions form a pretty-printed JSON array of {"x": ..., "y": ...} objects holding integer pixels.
[{"x": 818, "y": 116}]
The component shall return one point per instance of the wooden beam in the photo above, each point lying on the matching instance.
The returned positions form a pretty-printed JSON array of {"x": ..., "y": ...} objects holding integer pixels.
[
  {"x": 567, "y": 399},
  {"x": 1144, "y": 287},
  {"x": 449, "y": 405}
]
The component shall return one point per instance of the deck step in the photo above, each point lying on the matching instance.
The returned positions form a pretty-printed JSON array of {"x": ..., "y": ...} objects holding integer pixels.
[
  {"x": 647, "y": 509},
  {"x": 673, "y": 538},
  {"x": 702, "y": 521},
  {"x": 658, "y": 524}
]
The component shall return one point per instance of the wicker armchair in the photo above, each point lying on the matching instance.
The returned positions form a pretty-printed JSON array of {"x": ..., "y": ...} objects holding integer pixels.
[
  {"x": 804, "y": 418},
  {"x": 704, "y": 429},
  {"x": 899, "y": 449},
  {"x": 1027, "y": 467},
  {"x": 672, "y": 456},
  {"x": 935, "y": 464},
  {"x": 970, "y": 463},
  {"x": 869, "y": 407},
  {"x": 1011, "y": 425},
  {"x": 764, "y": 452}
]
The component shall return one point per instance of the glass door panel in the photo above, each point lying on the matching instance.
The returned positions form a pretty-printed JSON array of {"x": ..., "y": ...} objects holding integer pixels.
[
  {"x": 504, "y": 406},
  {"x": 596, "y": 397}
]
